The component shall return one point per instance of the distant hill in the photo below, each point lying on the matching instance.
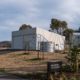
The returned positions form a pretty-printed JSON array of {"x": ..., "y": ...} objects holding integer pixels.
[{"x": 5, "y": 44}]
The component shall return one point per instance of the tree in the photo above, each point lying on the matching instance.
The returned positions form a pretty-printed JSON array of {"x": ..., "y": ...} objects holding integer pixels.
[
  {"x": 73, "y": 58},
  {"x": 24, "y": 26},
  {"x": 68, "y": 34},
  {"x": 54, "y": 24},
  {"x": 63, "y": 26},
  {"x": 58, "y": 25}
]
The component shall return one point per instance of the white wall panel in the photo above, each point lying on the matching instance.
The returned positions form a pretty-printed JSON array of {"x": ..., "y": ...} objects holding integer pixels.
[
  {"x": 33, "y": 36},
  {"x": 18, "y": 42}
]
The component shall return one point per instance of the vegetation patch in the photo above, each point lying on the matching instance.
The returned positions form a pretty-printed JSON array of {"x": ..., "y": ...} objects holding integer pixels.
[
  {"x": 34, "y": 59},
  {"x": 38, "y": 76},
  {"x": 70, "y": 77},
  {"x": 23, "y": 54},
  {"x": 2, "y": 70}
]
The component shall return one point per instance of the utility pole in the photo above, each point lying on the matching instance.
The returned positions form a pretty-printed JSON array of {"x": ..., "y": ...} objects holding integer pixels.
[{"x": 38, "y": 50}]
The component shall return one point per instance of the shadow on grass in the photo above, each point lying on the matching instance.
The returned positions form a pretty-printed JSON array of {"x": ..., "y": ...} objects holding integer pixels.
[
  {"x": 23, "y": 54},
  {"x": 2, "y": 70},
  {"x": 31, "y": 76},
  {"x": 35, "y": 76},
  {"x": 34, "y": 59}
]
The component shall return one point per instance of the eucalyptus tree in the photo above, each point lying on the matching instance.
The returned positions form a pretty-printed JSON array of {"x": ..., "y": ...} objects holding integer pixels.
[
  {"x": 55, "y": 23},
  {"x": 58, "y": 25},
  {"x": 25, "y": 26},
  {"x": 68, "y": 34},
  {"x": 64, "y": 26}
]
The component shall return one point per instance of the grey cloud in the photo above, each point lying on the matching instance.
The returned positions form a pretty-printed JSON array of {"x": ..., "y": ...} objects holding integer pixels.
[{"x": 13, "y": 13}]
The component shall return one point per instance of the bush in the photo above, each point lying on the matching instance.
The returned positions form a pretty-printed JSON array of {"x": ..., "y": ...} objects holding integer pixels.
[{"x": 66, "y": 68}]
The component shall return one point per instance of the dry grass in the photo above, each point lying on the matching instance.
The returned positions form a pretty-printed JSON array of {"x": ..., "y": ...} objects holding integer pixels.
[{"x": 18, "y": 61}]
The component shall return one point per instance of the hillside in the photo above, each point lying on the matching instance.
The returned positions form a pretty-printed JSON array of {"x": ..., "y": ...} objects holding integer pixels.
[{"x": 5, "y": 44}]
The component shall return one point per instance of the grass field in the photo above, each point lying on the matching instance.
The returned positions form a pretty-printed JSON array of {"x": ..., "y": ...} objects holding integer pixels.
[
  {"x": 27, "y": 65},
  {"x": 17, "y": 61}
]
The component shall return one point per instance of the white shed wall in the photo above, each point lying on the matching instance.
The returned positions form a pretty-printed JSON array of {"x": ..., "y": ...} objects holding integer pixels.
[
  {"x": 17, "y": 42},
  {"x": 31, "y": 37},
  {"x": 56, "y": 39},
  {"x": 24, "y": 39}
]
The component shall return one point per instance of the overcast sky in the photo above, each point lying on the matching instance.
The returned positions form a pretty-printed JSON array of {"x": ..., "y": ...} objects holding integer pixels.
[{"x": 38, "y": 13}]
